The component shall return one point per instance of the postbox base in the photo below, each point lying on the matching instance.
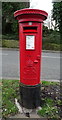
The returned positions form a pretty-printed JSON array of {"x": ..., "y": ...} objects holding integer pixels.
[{"x": 30, "y": 96}]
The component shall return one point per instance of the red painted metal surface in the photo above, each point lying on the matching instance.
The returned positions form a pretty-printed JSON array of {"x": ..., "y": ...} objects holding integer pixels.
[
  {"x": 30, "y": 37},
  {"x": 30, "y": 15}
]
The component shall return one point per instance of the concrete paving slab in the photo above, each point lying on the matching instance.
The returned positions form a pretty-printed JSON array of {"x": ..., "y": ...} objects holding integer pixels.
[{"x": 32, "y": 115}]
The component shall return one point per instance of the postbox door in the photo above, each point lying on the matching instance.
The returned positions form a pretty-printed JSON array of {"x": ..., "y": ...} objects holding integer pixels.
[{"x": 30, "y": 56}]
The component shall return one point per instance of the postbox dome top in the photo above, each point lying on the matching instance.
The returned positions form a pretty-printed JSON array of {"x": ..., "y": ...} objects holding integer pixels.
[{"x": 30, "y": 14}]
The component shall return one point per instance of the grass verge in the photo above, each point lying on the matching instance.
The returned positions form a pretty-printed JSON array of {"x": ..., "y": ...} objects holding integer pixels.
[
  {"x": 10, "y": 91},
  {"x": 0, "y": 43},
  {"x": 49, "y": 110},
  {"x": 10, "y": 43},
  {"x": 50, "y": 83},
  {"x": 50, "y": 101},
  {"x": 46, "y": 46},
  {"x": 52, "y": 46}
]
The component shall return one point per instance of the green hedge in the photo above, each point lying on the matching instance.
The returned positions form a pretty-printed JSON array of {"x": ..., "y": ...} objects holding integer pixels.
[
  {"x": 51, "y": 38},
  {"x": 10, "y": 37}
]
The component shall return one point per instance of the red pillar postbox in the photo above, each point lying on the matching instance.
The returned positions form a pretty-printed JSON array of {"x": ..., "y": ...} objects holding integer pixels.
[{"x": 30, "y": 37}]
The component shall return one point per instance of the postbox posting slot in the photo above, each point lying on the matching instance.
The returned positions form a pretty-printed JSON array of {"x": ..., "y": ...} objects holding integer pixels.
[{"x": 30, "y": 29}]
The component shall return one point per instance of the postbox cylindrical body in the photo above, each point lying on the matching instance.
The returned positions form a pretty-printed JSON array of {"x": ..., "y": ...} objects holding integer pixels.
[{"x": 30, "y": 39}]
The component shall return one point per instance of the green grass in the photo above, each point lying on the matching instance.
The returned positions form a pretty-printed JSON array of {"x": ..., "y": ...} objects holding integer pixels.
[
  {"x": 45, "y": 46},
  {"x": 49, "y": 110},
  {"x": 50, "y": 83},
  {"x": 10, "y": 91},
  {"x": 10, "y": 43},
  {"x": 9, "y": 94},
  {"x": 0, "y": 43},
  {"x": 52, "y": 46}
]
